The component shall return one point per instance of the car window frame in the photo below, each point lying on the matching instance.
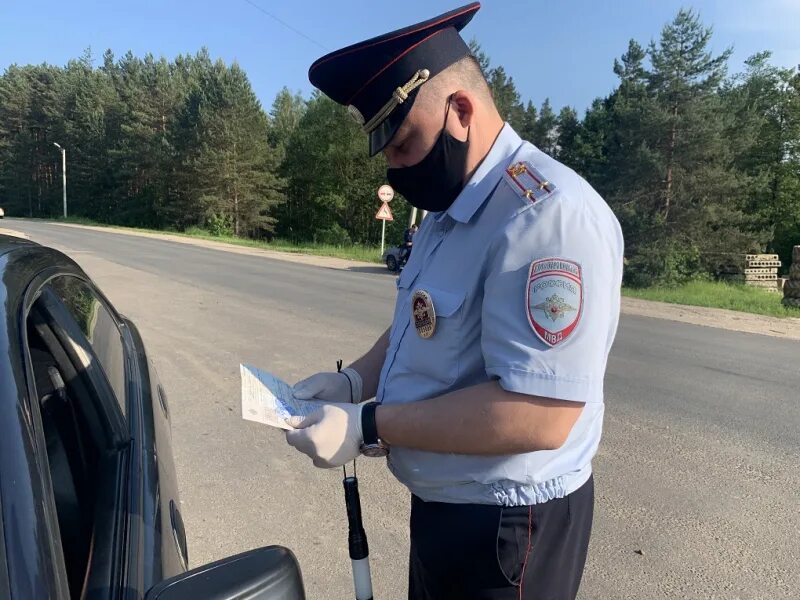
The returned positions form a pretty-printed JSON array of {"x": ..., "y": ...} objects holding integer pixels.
[
  {"x": 117, "y": 436},
  {"x": 119, "y": 324},
  {"x": 110, "y": 411}
]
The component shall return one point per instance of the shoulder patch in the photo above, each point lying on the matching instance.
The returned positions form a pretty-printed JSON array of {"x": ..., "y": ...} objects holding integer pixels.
[
  {"x": 528, "y": 182},
  {"x": 554, "y": 298}
]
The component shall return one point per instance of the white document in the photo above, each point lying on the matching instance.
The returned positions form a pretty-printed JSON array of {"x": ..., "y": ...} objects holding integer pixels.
[{"x": 269, "y": 400}]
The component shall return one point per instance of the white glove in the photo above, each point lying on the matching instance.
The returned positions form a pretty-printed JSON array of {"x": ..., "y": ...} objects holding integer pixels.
[
  {"x": 345, "y": 386},
  {"x": 330, "y": 436}
]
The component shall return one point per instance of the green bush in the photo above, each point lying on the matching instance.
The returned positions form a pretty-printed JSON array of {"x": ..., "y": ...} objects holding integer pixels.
[
  {"x": 663, "y": 263},
  {"x": 220, "y": 225},
  {"x": 335, "y": 235}
]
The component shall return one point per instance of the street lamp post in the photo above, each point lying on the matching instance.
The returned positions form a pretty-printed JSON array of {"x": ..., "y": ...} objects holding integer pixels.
[{"x": 63, "y": 175}]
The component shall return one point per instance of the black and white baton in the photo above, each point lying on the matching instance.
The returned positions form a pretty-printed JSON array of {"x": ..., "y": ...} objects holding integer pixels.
[
  {"x": 356, "y": 536},
  {"x": 357, "y": 540}
]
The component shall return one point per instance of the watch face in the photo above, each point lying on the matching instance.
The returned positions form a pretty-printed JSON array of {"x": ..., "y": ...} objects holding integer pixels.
[{"x": 374, "y": 450}]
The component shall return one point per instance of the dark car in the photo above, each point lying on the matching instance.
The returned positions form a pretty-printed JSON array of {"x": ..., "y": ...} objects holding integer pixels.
[{"x": 88, "y": 493}]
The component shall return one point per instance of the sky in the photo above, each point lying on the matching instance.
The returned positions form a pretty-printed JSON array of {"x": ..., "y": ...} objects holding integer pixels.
[{"x": 563, "y": 49}]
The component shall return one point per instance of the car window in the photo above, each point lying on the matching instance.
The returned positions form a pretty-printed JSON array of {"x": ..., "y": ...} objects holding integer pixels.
[
  {"x": 65, "y": 398},
  {"x": 100, "y": 328},
  {"x": 75, "y": 352}
]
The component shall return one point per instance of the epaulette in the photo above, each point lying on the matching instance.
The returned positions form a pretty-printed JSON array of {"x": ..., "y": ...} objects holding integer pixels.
[{"x": 528, "y": 182}]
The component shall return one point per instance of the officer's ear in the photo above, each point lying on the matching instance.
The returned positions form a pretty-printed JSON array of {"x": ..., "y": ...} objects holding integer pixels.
[{"x": 462, "y": 103}]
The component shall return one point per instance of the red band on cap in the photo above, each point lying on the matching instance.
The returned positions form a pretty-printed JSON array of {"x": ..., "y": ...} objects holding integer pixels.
[{"x": 371, "y": 79}]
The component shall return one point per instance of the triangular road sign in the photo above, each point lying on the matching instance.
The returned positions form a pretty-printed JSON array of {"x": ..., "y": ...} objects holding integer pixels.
[{"x": 384, "y": 213}]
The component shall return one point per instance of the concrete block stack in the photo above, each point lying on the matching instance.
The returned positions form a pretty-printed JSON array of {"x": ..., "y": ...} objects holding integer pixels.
[
  {"x": 756, "y": 270},
  {"x": 791, "y": 287}
]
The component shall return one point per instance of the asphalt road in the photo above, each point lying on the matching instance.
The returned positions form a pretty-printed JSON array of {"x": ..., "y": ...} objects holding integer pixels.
[{"x": 698, "y": 486}]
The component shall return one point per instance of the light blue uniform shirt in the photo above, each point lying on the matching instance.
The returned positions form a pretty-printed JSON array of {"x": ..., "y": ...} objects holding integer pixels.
[{"x": 494, "y": 313}]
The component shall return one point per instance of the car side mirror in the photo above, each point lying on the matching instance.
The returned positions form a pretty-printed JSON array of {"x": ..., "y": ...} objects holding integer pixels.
[{"x": 270, "y": 573}]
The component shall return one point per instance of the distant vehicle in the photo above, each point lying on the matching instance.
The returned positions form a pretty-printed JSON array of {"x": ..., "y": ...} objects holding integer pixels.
[
  {"x": 393, "y": 257},
  {"x": 2, "y": 213},
  {"x": 88, "y": 495}
]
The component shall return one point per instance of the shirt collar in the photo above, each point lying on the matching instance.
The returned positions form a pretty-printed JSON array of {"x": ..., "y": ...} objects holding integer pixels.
[{"x": 486, "y": 176}]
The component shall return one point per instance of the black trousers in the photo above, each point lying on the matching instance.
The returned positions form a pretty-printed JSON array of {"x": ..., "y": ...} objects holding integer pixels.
[{"x": 484, "y": 552}]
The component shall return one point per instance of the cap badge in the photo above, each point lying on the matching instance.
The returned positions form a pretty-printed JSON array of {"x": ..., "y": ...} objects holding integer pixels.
[{"x": 423, "y": 313}]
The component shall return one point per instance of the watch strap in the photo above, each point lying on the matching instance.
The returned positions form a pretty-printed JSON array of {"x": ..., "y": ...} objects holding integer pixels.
[{"x": 369, "y": 427}]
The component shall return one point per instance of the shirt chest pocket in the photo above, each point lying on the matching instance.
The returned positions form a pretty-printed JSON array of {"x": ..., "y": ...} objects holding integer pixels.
[{"x": 436, "y": 356}]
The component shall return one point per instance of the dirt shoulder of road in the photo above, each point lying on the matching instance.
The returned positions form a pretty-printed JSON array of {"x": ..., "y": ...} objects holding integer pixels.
[
  {"x": 695, "y": 315},
  {"x": 714, "y": 317},
  {"x": 12, "y": 233}
]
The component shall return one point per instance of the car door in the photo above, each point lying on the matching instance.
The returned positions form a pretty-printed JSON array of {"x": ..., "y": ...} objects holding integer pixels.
[{"x": 93, "y": 385}]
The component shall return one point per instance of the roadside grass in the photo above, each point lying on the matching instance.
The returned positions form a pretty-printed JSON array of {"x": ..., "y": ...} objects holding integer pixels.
[
  {"x": 359, "y": 252},
  {"x": 716, "y": 294}
]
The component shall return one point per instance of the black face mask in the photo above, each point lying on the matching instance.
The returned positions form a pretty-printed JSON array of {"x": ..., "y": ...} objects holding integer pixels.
[{"x": 434, "y": 183}]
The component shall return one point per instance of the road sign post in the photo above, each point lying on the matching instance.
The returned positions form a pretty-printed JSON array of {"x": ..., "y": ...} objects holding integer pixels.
[
  {"x": 385, "y": 195},
  {"x": 384, "y": 214}
]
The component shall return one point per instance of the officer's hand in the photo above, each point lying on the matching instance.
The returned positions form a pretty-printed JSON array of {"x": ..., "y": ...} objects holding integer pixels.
[
  {"x": 330, "y": 387},
  {"x": 330, "y": 436}
]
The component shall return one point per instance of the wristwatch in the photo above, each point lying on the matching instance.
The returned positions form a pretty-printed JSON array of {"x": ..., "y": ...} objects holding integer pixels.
[{"x": 373, "y": 446}]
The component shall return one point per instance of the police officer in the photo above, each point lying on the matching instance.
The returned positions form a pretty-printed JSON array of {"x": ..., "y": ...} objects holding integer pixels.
[
  {"x": 408, "y": 242},
  {"x": 489, "y": 382}
]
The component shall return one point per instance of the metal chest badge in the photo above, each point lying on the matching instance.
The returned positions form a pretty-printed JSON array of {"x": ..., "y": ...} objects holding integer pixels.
[
  {"x": 423, "y": 314},
  {"x": 554, "y": 298}
]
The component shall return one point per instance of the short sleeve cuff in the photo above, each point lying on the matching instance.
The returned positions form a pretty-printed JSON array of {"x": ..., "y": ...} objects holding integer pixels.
[{"x": 547, "y": 385}]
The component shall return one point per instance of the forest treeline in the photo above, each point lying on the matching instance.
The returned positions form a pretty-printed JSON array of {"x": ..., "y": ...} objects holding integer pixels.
[{"x": 697, "y": 163}]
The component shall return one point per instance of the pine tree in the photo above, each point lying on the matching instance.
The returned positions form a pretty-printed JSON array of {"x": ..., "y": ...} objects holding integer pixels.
[
  {"x": 480, "y": 56},
  {"x": 228, "y": 164},
  {"x": 138, "y": 130},
  {"x": 331, "y": 180},
  {"x": 569, "y": 128},
  {"x": 684, "y": 79},
  {"x": 15, "y": 142},
  {"x": 591, "y": 143},
  {"x": 528, "y": 129},
  {"x": 544, "y": 134},
  {"x": 88, "y": 97},
  {"x": 632, "y": 170},
  {"x": 506, "y": 97},
  {"x": 287, "y": 110},
  {"x": 504, "y": 91},
  {"x": 286, "y": 114},
  {"x": 44, "y": 120},
  {"x": 764, "y": 136},
  {"x": 690, "y": 211}
]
